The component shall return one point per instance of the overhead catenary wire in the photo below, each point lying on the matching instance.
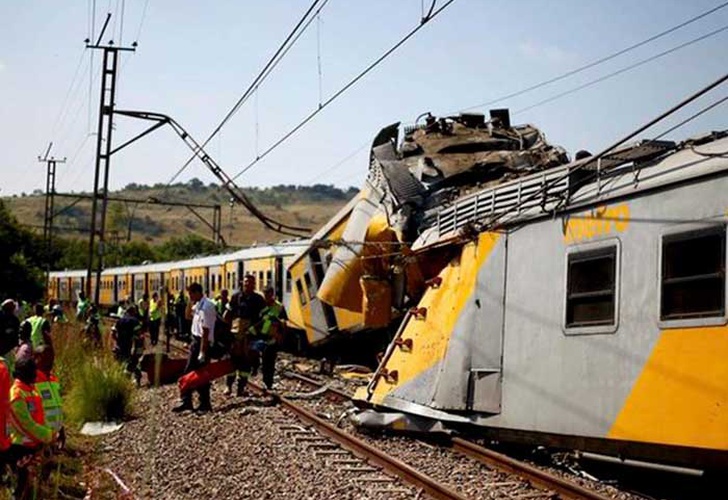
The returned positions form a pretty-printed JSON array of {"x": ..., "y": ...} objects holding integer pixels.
[
  {"x": 71, "y": 90},
  {"x": 590, "y": 178},
  {"x": 691, "y": 117},
  {"x": 141, "y": 22},
  {"x": 600, "y": 60},
  {"x": 343, "y": 89},
  {"x": 121, "y": 23},
  {"x": 262, "y": 75},
  {"x": 338, "y": 163},
  {"x": 622, "y": 70},
  {"x": 593, "y": 159}
]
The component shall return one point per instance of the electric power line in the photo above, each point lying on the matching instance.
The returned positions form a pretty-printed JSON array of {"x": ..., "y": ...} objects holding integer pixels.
[
  {"x": 622, "y": 70},
  {"x": 141, "y": 23},
  {"x": 692, "y": 117},
  {"x": 337, "y": 164},
  {"x": 342, "y": 90},
  {"x": 272, "y": 62},
  {"x": 599, "y": 61},
  {"x": 71, "y": 89}
]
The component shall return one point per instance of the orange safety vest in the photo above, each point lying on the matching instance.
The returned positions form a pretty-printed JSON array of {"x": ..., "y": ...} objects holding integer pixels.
[
  {"x": 20, "y": 433},
  {"x": 4, "y": 404}
]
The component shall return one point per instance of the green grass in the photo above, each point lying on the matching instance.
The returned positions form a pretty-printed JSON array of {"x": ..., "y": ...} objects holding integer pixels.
[{"x": 96, "y": 387}]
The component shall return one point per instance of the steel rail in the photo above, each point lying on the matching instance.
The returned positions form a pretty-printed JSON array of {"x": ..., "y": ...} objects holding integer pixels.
[
  {"x": 303, "y": 378},
  {"x": 366, "y": 451},
  {"x": 535, "y": 476}
]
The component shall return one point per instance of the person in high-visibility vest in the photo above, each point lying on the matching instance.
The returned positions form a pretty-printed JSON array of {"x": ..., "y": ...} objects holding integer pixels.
[
  {"x": 40, "y": 328},
  {"x": 82, "y": 307},
  {"x": 28, "y": 432},
  {"x": 143, "y": 308},
  {"x": 221, "y": 302},
  {"x": 269, "y": 334},
  {"x": 49, "y": 388},
  {"x": 156, "y": 309}
]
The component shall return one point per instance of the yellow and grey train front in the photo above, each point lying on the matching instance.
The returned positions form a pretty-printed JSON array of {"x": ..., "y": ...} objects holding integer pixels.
[
  {"x": 577, "y": 305},
  {"x": 307, "y": 269}
]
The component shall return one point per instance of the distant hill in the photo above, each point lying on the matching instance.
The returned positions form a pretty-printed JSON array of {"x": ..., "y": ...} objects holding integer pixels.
[{"x": 308, "y": 206}]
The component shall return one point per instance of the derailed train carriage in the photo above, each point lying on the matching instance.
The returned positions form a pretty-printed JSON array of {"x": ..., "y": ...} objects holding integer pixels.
[{"x": 575, "y": 304}]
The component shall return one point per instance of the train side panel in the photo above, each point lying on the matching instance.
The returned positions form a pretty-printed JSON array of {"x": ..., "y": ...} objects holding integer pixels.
[{"x": 607, "y": 323}]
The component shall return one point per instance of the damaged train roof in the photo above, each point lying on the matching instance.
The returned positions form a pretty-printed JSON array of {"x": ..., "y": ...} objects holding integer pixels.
[{"x": 444, "y": 159}]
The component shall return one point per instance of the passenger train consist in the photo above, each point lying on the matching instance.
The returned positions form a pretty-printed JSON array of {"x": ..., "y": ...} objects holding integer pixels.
[{"x": 267, "y": 263}]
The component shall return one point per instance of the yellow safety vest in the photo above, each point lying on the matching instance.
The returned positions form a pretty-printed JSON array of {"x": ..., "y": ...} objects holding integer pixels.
[
  {"x": 155, "y": 312},
  {"x": 49, "y": 389},
  {"x": 269, "y": 315},
  {"x": 36, "y": 330}
]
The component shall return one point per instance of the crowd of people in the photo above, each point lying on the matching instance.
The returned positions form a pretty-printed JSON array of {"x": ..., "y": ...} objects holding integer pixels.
[
  {"x": 247, "y": 328},
  {"x": 31, "y": 417}
]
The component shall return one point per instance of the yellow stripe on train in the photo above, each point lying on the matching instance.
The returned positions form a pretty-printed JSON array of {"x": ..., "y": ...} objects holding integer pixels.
[{"x": 681, "y": 396}]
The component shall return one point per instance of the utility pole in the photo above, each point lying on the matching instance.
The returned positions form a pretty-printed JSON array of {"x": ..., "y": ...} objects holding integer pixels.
[
  {"x": 232, "y": 204},
  {"x": 217, "y": 226},
  {"x": 109, "y": 70},
  {"x": 49, "y": 202}
]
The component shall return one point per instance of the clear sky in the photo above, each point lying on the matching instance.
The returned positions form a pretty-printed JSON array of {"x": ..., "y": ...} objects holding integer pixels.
[{"x": 196, "y": 58}]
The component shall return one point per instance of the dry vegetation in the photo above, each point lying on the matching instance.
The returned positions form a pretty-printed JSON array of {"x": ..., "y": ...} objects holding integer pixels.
[{"x": 156, "y": 224}]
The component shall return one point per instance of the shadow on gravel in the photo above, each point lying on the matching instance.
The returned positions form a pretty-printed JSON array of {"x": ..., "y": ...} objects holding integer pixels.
[{"x": 246, "y": 403}]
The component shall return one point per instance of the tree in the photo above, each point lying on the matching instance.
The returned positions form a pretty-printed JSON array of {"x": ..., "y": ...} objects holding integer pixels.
[
  {"x": 185, "y": 248},
  {"x": 117, "y": 217},
  {"x": 71, "y": 253},
  {"x": 196, "y": 184},
  {"x": 21, "y": 260}
]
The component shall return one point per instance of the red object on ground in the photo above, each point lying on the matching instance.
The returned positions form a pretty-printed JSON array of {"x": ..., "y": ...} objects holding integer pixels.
[
  {"x": 203, "y": 375},
  {"x": 170, "y": 369}
]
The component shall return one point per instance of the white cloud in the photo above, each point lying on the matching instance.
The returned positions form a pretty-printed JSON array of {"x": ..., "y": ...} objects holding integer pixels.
[
  {"x": 548, "y": 53},
  {"x": 2, "y": 66}
]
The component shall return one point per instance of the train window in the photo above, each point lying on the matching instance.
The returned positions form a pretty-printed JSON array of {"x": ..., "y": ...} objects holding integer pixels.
[
  {"x": 591, "y": 287},
  {"x": 219, "y": 281},
  {"x": 268, "y": 278},
  {"x": 693, "y": 275},
  {"x": 261, "y": 285},
  {"x": 301, "y": 294},
  {"x": 310, "y": 287},
  {"x": 288, "y": 282}
]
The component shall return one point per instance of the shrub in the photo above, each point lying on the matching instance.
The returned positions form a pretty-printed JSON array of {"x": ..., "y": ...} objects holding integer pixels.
[
  {"x": 102, "y": 390},
  {"x": 96, "y": 387}
]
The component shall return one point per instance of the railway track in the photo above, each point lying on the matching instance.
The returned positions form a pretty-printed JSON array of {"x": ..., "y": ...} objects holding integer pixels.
[
  {"x": 353, "y": 455},
  {"x": 534, "y": 476}
]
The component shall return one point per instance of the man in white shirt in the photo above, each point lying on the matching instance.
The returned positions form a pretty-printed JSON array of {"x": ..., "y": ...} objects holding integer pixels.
[{"x": 204, "y": 315}]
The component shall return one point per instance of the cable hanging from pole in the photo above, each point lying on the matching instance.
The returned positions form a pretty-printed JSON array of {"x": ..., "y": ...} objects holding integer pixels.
[
  {"x": 298, "y": 29},
  {"x": 342, "y": 90}
]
